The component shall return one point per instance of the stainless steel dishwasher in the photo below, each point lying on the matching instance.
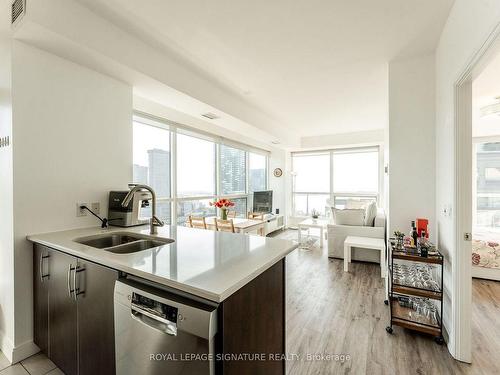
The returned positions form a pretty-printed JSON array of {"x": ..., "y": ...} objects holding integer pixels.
[{"x": 157, "y": 332}]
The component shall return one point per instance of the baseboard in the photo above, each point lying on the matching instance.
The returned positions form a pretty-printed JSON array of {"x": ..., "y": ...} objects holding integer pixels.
[
  {"x": 23, "y": 351},
  {"x": 6, "y": 346},
  {"x": 17, "y": 353},
  {"x": 486, "y": 273}
]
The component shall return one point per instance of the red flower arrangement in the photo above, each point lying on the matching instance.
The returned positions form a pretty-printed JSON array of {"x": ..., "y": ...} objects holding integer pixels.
[{"x": 222, "y": 203}]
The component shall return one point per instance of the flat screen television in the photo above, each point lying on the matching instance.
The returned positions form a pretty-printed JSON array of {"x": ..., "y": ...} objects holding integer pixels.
[{"x": 263, "y": 201}]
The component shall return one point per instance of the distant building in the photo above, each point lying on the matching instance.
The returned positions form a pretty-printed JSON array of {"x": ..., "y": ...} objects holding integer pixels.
[
  {"x": 156, "y": 175},
  {"x": 257, "y": 179},
  {"x": 140, "y": 174},
  {"x": 233, "y": 170},
  {"x": 159, "y": 172}
]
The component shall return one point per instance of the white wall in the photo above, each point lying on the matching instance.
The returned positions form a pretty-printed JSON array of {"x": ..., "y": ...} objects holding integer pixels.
[
  {"x": 411, "y": 143},
  {"x": 366, "y": 138},
  {"x": 6, "y": 221},
  {"x": 73, "y": 143},
  {"x": 277, "y": 159},
  {"x": 467, "y": 28}
]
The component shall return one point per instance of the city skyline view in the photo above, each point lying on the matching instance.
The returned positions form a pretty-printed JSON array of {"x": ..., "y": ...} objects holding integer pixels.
[{"x": 196, "y": 173}]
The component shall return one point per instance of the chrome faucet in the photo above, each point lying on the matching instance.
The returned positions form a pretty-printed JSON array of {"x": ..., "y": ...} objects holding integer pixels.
[{"x": 154, "y": 221}]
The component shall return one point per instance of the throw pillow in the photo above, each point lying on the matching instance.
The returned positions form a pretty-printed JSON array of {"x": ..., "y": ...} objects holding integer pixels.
[
  {"x": 349, "y": 217},
  {"x": 354, "y": 204},
  {"x": 370, "y": 214}
]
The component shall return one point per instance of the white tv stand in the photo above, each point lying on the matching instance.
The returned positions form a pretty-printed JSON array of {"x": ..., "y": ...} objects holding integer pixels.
[{"x": 273, "y": 223}]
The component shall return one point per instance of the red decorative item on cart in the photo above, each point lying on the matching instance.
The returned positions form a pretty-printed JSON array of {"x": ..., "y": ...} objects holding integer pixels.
[{"x": 422, "y": 225}]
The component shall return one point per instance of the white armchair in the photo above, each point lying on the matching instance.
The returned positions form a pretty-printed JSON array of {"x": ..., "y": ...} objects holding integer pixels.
[{"x": 338, "y": 233}]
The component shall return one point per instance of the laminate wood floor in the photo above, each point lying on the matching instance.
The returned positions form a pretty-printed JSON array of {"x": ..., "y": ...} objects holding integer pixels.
[{"x": 331, "y": 312}]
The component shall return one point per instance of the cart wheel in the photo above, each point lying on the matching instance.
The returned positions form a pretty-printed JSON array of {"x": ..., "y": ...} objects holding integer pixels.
[
  {"x": 388, "y": 329},
  {"x": 439, "y": 340},
  {"x": 386, "y": 302}
]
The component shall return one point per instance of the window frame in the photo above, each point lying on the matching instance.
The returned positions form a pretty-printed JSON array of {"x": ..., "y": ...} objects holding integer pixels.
[
  {"x": 476, "y": 143},
  {"x": 333, "y": 195},
  {"x": 175, "y": 129}
]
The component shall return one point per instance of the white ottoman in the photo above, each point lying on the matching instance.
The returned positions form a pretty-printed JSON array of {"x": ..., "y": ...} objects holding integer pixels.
[{"x": 364, "y": 243}]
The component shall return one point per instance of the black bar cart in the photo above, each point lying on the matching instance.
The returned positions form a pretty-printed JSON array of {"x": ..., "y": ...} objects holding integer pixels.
[{"x": 415, "y": 291}]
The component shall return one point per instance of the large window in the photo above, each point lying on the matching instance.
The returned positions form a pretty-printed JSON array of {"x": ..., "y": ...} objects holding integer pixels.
[
  {"x": 311, "y": 183},
  {"x": 206, "y": 168},
  {"x": 151, "y": 165},
  {"x": 195, "y": 166},
  {"x": 355, "y": 171},
  {"x": 257, "y": 172},
  {"x": 334, "y": 177}
]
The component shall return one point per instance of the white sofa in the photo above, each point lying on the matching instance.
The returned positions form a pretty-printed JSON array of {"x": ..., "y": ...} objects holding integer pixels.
[{"x": 338, "y": 233}]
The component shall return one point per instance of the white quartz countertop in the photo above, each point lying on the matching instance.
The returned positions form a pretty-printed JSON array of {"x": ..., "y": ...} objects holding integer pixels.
[{"x": 208, "y": 264}]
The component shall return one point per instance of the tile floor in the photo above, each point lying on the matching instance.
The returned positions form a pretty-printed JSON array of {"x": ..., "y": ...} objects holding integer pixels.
[{"x": 37, "y": 364}]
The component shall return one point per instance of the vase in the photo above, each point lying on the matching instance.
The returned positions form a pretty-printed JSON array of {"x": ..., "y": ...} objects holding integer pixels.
[{"x": 223, "y": 213}]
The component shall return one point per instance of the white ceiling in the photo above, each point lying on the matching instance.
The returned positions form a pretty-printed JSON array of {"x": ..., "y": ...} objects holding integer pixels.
[
  {"x": 485, "y": 89},
  {"x": 317, "y": 66}
]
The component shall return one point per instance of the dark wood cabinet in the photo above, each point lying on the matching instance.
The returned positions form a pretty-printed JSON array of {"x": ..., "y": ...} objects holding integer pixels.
[
  {"x": 62, "y": 313},
  {"x": 96, "y": 342},
  {"x": 73, "y": 312},
  {"x": 41, "y": 297},
  {"x": 252, "y": 320}
]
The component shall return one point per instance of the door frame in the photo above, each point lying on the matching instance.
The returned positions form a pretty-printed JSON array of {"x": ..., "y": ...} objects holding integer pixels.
[{"x": 461, "y": 342}]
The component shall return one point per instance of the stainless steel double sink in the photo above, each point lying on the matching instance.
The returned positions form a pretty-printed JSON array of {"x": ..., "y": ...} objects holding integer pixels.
[{"x": 123, "y": 242}]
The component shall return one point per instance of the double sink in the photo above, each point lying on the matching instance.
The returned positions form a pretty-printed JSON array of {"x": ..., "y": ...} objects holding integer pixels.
[{"x": 123, "y": 242}]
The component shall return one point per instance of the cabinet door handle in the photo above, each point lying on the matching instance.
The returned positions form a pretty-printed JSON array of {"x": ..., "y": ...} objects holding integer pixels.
[
  {"x": 42, "y": 276},
  {"x": 76, "y": 290},
  {"x": 70, "y": 291}
]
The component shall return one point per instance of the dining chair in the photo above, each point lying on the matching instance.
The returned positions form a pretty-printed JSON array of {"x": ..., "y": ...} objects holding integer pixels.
[
  {"x": 197, "y": 222},
  {"x": 231, "y": 214},
  {"x": 224, "y": 225}
]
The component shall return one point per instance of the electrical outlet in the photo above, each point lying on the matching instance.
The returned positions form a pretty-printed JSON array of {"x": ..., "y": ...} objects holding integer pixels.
[
  {"x": 80, "y": 211},
  {"x": 96, "y": 207}
]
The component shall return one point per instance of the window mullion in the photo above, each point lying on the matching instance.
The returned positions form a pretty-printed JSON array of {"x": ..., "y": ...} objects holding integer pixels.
[
  {"x": 173, "y": 175},
  {"x": 331, "y": 178},
  {"x": 247, "y": 172},
  {"x": 218, "y": 187},
  {"x": 267, "y": 172}
]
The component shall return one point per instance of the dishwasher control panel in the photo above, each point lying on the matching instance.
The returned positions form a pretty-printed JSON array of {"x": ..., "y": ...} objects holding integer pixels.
[{"x": 155, "y": 307}]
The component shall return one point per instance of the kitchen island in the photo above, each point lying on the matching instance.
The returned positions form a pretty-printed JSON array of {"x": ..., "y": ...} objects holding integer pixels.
[{"x": 241, "y": 276}]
